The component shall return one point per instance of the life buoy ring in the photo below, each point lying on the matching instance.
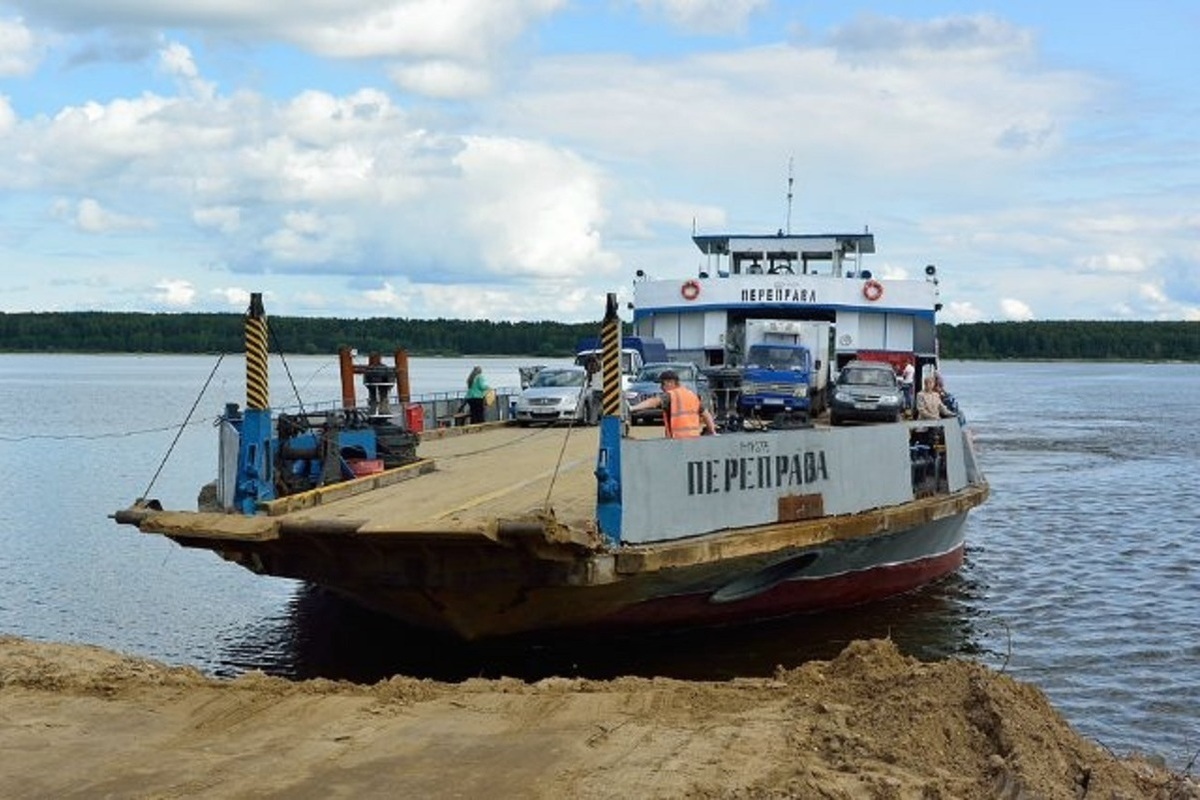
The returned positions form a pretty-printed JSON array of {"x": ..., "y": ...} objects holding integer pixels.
[
  {"x": 690, "y": 290},
  {"x": 872, "y": 290}
]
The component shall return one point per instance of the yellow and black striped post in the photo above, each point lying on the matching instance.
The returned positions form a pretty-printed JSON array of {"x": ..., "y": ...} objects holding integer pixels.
[
  {"x": 258, "y": 394},
  {"x": 608, "y": 460},
  {"x": 610, "y": 359},
  {"x": 256, "y": 456}
]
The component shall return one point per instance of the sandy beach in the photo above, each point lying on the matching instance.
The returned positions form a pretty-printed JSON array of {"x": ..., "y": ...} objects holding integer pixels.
[{"x": 79, "y": 721}]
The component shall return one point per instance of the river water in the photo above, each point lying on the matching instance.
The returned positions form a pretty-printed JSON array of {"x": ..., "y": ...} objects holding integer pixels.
[{"x": 1081, "y": 573}]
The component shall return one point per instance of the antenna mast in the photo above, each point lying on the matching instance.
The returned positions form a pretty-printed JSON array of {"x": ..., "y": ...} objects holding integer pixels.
[{"x": 789, "y": 197}]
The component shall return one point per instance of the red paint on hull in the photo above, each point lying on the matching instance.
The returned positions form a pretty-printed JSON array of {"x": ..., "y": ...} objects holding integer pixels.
[{"x": 792, "y": 597}]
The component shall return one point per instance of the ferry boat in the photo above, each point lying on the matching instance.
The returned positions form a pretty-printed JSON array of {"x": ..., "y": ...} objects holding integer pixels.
[{"x": 493, "y": 530}]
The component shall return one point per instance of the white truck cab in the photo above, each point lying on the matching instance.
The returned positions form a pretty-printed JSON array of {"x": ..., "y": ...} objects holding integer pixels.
[{"x": 631, "y": 364}]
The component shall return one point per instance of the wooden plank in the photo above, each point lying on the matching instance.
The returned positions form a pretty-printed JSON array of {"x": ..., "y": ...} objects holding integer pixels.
[
  {"x": 493, "y": 473},
  {"x": 212, "y": 526},
  {"x": 343, "y": 489}
]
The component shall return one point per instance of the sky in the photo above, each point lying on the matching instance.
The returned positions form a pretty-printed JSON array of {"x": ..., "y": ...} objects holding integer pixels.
[{"x": 520, "y": 159}]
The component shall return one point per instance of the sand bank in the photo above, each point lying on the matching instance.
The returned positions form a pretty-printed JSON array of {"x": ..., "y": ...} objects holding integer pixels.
[{"x": 84, "y": 722}]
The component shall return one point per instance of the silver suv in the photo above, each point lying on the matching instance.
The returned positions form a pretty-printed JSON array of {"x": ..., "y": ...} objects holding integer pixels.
[{"x": 866, "y": 391}]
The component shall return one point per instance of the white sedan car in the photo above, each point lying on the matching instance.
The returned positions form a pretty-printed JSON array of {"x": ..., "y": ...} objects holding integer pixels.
[{"x": 558, "y": 394}]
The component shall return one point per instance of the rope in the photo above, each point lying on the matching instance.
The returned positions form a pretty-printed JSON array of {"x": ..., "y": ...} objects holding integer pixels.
[
  {"x": 286, "y": 368},
  {"x": 63, "y": 437},
  {"x": 566, "y": 438},
  {"x": 183, "y": 425}
]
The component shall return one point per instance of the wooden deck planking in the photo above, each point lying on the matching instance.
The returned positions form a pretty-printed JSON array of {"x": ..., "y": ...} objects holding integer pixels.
[{"x": 478, "y": 477}]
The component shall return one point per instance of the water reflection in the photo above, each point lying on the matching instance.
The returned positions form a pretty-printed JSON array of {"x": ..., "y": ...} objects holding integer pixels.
[{"x": 327, "y": 637}]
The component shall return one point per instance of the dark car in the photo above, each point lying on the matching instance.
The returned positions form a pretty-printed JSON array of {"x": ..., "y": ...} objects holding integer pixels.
[
  {"x": 866, "y": 391},
  {"x": 646, "y": 384}
]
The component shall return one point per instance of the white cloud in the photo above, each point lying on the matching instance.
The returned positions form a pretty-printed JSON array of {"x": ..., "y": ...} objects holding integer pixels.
[
  {"x": 441, "y": 78},
  {"x": 308, "y": 238},
  {"x": 1129, "y": 263},
  {"x": 1015, "y": 310},
  {"x": 233, "y": 296},
  {"x": 8, "y": 117},
  {"x": 90, "y": 141},
  {"x": 539, "y": 209},
  {"x": 542, "y": 192},
  {"x": 176, "y": 59},
  {"x": 461, "y": 29},
  {"x": 984, "y": 38},
  {"x": 91, "y": 217},
  {"x": 960, "y": 312},
  {"x": 225, "y": 219},
  {"x": 385, "y": 296},
  {"x": 18, "y": 49},
  {"x": 1152, "y": 294},
  {"x": 925, "y": 121},
  {"x": 705, "y": 16},
  {"x": 177, "y": 293}
]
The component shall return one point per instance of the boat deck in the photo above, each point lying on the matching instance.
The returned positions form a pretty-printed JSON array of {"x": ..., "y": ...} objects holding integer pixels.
[
  {"x": 470, "y": 482},
  {"x": 478, "y": 476}
]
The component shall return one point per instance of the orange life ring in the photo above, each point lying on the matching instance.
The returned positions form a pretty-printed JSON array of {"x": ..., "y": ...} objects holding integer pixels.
[
  {"x": 690, "y": 290},
  {"x": 872, "y": 290}
]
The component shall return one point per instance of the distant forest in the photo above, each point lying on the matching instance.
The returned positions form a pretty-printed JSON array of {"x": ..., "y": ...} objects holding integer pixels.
[{"x": 106, "y": 332}]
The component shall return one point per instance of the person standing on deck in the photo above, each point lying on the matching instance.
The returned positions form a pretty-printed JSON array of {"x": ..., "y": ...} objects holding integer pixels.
[
  {"x": 929, "y": 401},
  {"x": 476, "y": 392},
  {"x": 907, "y": 381},
  {"x": 681, "y": 407}
]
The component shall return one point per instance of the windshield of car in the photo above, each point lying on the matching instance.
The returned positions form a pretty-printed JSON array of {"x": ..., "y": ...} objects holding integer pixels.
[
  {"x": 856, "y": 376},
  {"x": 652, "y": 372},
  {"x": 777, "y": 357},
  {"x": 558, "y": 377}
]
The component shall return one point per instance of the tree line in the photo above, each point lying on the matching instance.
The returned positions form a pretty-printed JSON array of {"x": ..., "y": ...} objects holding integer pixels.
[
  {"x": 1072, "y": 340},
  {"x": 114, "y": 332},
  {"x": 110, "y": 332}
]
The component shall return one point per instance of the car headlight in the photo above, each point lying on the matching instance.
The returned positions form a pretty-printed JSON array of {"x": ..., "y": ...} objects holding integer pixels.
[
  {"x": 801, "y": 390},
  {"x": 890, "y": 399},
  {"x": 842, "y": 397}
]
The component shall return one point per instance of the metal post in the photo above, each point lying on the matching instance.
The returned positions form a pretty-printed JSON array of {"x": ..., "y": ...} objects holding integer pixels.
[
  {"x": 256, "y": 457},
  {"x": 346, "y": 369},
  {"x": 608, "y": 462},
  {"x": 403, "y": 392}
]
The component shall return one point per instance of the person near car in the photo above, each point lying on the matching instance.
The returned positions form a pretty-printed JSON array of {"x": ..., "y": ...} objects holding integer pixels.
[
  {"x": 947, "y": 399},
  {"x": 477, "y": 389},
  {"x": 907, "y": 378},
  {"x": 929, "y": 401},
  {"x": 684, "y": 415}
]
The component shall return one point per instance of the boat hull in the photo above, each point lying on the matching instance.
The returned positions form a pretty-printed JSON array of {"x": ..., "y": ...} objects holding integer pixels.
[
  {"x": 819, "y": 579},
  {"x": 485, "y": 589},
  {"x": 455, "y": 545},
  {"x": 660, "y": 602}
]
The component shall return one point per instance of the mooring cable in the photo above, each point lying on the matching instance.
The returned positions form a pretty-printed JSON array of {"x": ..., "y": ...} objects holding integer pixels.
[
  {"x": 182, "y": 425},
  {"x": 566, "y": 438}
]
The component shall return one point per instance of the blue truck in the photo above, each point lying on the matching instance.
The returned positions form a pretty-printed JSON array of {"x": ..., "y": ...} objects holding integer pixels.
[
  {"x": 777, "y": 378},
  {"x": 784, "y": 369}
]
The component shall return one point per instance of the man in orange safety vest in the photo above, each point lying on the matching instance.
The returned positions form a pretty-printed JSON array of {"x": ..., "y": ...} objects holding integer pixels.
[{"x": 682, "y": 410}]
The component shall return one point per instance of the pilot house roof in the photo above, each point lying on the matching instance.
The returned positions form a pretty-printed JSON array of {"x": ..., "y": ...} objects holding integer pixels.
[{"x": 809, "y": 245}]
